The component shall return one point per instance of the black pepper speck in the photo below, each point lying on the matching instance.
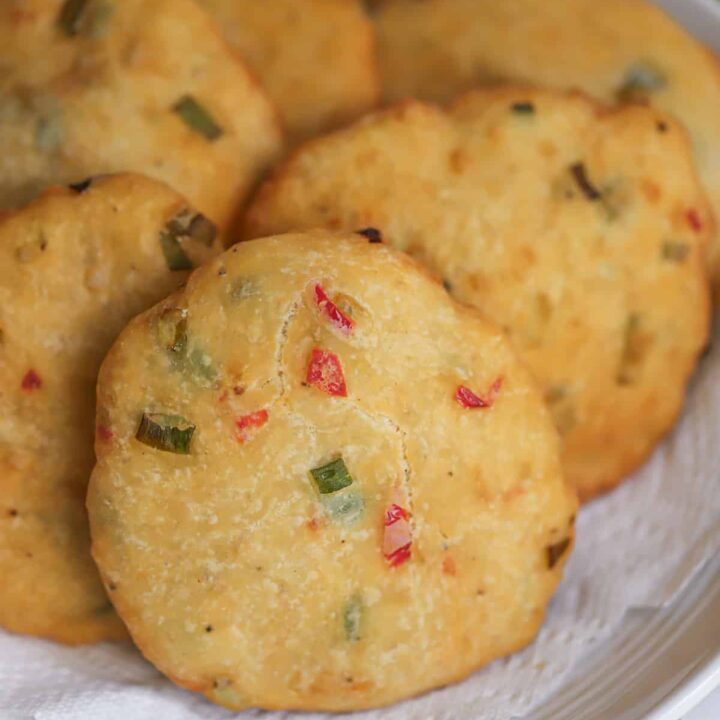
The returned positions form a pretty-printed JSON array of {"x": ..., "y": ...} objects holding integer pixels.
[
  {"x": 81, "y": 186},
  {"x": 372, "y": 234}
]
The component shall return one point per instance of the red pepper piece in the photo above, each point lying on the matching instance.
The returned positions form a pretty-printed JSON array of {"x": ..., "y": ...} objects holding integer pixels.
[
  {"x": 395, "y": 513},
  {"x": 31, "y": 381},
  {"x": 246, "y": 423},
  {"x": 325, "y": 373},
  {"x": 337, "y": 317},
  {"x": 469, "y": 400},
  {"x": 397, "y": 538},
  {"x": 104, "y": 433},
  {"x": 400, "y": 556},
  {"x": 448, "y": 566},
  {"x": 694, "y": 220}
]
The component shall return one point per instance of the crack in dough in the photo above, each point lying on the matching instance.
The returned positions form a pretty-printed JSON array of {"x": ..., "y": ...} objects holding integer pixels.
[{"x": 282, "y": 344}]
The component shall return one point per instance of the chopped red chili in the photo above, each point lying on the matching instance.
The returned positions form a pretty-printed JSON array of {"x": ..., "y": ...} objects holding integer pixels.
[
  {"x": 468, "y": 399},
  {"x": 337, "y": 317},
  {"x": 247, "y": 422},
  {"x": 104, "y": 433},
  {"x": 448, "y": 566},
  {"x": 395, "y": 513},
  {"x": 325, "y": 373},
  {"x": 31, "y": 381},
  {"x": 693, "y": 218},
  {"x": 401, "y": 555},
  {"x": 397, "y": 539}
]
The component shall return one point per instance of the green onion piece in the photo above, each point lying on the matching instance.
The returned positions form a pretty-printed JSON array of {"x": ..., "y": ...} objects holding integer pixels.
[
  {"x": 523, "y": 108},
  {"x": 186, "y": 224},
  {"x": 174, "y": 254},
  {"x": 70, "y": 16},
  {"x": 242, "y": 288},
  {"x": 556, "y": 551},
  {"x": 202, "y": 230},
  {"x": 170, "y": 433},
  {"x": 172, "y": 329},
  {"x": 345, "y": 507},
  {"x": 633, "y": 351},
  {"x": 201, "y": 366},
  {"x": 197, "y": 118},
  {"x": 99, "y": 19},
  {"x": 352, "y": 618},
  {"x": 172, "y": 333},
  {"x": 331, "y": 477},
  {"x": 612, "y": 205},
  {"x": 675, "y": 251},
  {"x": 641, "y": 79}
]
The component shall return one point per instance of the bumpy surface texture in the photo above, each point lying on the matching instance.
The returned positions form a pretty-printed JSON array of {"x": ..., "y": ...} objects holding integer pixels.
[
  {"x": 316, "y": 57},
  {"x": 580, "y": 230},
  {"x": 75, "y": 266},
  {"x": 141, "y": 85},
  {"x": 617, "y": 50},
  {"x": 244, "y": 577}
]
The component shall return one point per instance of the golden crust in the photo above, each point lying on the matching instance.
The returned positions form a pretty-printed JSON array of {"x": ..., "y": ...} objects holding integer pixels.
[
  {"x": 435, "y": 49},
  {"x": 103, "y": 100},
  {"x": 75, "y": 265},
  {"x": 605, "y": 296},
  {"x": 317, "y": 58},
  {"x": 234, "y": 575}
]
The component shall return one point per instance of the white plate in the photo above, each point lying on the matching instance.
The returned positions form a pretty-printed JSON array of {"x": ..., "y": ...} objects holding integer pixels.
[
  {"x": 658, "y": 666},
  {"x": 661, "y": 663}
]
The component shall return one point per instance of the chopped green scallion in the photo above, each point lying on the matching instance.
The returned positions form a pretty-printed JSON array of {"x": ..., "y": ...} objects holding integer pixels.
[
  {"x": 202, "y": 230},
  {"x": 331, "y": 477},
  {"x": 186, "y": 224},
  {"x": 99, "y": 19},
  {"x": 675, "y": 251},
  {"x": 197, "y": 118},
  {"x": 633, "y": 350},
  {"x": 172, "y": 329},
  {"x": 523, "y": 108},
  {"x": 169, "y": 433},
  {"x": 641, "y": 79},
  {"x": 71, "y": 16},
  {"x": 201, "y": 366},
  {"x": 345, "y": 507},
  {"x": 352, "y": 618},
  {"x": 242, "y": 288},
  {"x": 174, "y": 254}
]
